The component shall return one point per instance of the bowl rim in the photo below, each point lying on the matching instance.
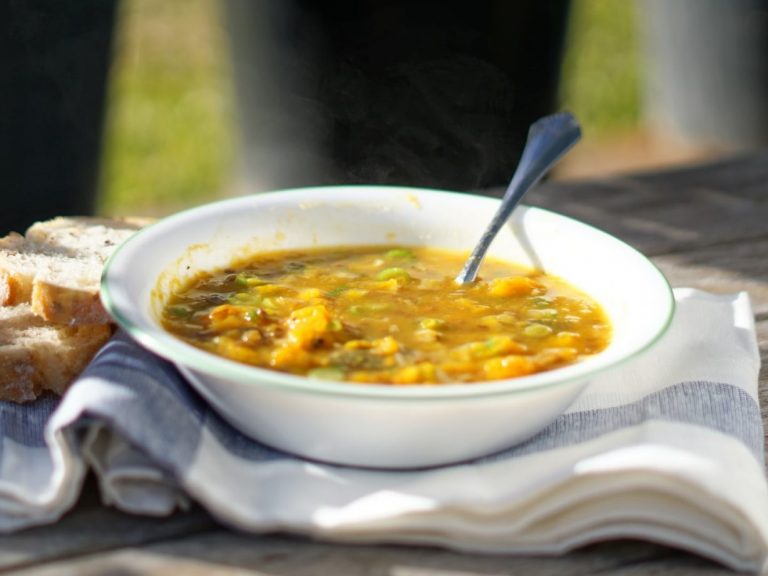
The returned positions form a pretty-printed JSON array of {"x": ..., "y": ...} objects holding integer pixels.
[{"x": 162, "y": 343}]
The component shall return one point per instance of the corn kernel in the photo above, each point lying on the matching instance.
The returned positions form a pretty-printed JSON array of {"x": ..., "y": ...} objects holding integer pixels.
[
  {"x": 385, "y": 346},
  {"x": 513, "y": 286},
  {"x": 357, "y": 345},
  {"x": 310, "y": 293},
  {"x": 507, "y": 367}
]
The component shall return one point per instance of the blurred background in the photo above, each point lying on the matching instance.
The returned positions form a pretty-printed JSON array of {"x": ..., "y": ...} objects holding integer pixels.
[{"x": 183, "y": 124}]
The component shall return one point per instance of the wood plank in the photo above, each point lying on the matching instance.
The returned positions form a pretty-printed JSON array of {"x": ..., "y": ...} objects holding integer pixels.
[
  {"x": 225, "y": 553},
  {"x": 762, "y": 341},
  {"x": 741, "y": 176},
  {"x": 670, "y": 211},
  {"x": 90, "y": 528},
  {"x": 722, "y": 269}
]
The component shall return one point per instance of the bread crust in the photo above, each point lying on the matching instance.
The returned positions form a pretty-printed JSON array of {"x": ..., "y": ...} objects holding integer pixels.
[
  {"x": 14, "y": 290},
  {"x": 36, "y": 356},
  {"x": 15, "y": 281},
  {"x": 68, "y": 306},
  {"x": 52, "y": 321},
  {"x": 57, "y": 266}
]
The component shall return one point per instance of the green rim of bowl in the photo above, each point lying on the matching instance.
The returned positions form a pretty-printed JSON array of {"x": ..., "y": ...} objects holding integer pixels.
[{"x": 181, "y": 353}]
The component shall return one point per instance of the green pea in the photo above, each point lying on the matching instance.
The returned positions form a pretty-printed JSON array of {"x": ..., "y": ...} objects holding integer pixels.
[
  {"x": 246, "y": 279},
  {"x": 396, "y": 273},
  {"x": 252, "y": 315},
  {"x": 326, "y": 373},
  {"x": 269, "y": 304},
  {"x": 245, "y": 299},
  {"x": 537, "y": 330},
  {"x": 399, "y": 254},
  {"x": 179, "y": 311},
  {"x": 358, "y": 309},
  {"x": 542, "y": 313}
]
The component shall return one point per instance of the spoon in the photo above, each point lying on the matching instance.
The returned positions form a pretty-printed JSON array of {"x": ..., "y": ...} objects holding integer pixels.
[{"x": 549, "y": 138}]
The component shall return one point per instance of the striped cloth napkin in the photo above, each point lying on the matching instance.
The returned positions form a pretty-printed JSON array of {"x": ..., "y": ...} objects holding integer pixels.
[{"x": 668, "y": 448}]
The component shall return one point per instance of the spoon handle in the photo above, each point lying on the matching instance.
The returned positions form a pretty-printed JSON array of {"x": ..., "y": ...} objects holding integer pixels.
[{"x": 548, "y": 139}]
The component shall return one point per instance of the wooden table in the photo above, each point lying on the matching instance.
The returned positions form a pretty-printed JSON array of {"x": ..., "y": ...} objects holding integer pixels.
[{"x": 705, "y": 226}]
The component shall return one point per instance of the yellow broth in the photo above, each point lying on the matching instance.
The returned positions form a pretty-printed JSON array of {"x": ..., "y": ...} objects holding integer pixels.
[{"x": 379, "y": 314}]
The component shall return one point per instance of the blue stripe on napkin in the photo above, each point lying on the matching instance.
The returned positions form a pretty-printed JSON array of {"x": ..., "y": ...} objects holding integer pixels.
[
  {"x": 722, "y": 407},
  {"x": 159, "y": 413},
  {"x": 153, "y": 408},
  {"x": 25, "y": 423}
]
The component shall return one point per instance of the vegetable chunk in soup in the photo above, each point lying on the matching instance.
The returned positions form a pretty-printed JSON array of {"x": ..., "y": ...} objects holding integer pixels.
[{"x": 387, "y": 315}]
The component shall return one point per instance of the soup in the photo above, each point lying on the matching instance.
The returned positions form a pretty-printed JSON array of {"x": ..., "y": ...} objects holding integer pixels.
[{"x": 378, "y": 314}]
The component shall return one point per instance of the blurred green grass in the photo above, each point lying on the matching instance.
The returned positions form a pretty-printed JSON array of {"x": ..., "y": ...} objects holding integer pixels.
[
  {"x": 601, "y": 77},
  {"x": 170, "y": 143},
  {"x": 169, "y": 136}
]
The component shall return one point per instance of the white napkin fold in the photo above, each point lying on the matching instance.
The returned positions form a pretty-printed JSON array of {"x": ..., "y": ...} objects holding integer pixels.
[{"x": 668, "y": 448}]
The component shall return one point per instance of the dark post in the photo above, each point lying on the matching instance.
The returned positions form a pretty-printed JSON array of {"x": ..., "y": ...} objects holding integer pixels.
[
  {"x": 57, "y": 56},
  {"x": 431, "y": 92}
]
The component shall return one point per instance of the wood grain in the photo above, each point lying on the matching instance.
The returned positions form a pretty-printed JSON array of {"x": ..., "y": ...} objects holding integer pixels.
[
  {"x": 722, "y": 269},
  {"x": 671, "y": 211},
  {"x": 225, "y": 553},
  {"x": 92, "y": 528}
]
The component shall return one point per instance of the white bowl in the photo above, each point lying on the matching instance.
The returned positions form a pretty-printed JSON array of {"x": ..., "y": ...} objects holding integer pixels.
[{"x": 378, "y": 425}]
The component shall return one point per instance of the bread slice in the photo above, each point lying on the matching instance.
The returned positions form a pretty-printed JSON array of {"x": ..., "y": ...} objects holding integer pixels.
[
  {"x": 85, "y": 237},
  {"x": 36, "y": 356},
  {"x": 57, "y": 266},
  {"x": 14, "y": 287}
]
